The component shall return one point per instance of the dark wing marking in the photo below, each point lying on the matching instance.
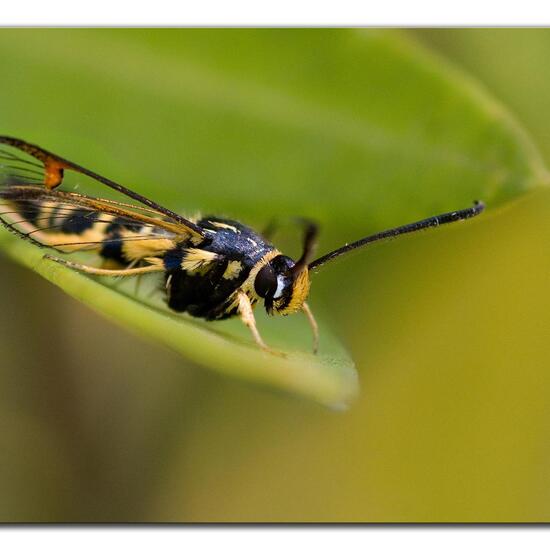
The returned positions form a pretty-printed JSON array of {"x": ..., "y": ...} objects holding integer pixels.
[
  {"x": 51, "y": 169},
  {"x": 60, "y": 220},
  {"x": 29, "y": 192}
]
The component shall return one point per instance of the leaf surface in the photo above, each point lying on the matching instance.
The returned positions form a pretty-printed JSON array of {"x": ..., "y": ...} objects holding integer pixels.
[{"x": 359, "y": 129}]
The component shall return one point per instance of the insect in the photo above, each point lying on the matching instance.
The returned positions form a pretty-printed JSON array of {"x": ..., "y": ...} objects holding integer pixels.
[{"x": 213, "y": 268}]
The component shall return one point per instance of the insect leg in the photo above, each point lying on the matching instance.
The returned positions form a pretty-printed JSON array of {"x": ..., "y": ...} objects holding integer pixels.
[
  {"x": 106, "y": 272},
  {"x": 247, "y": 317},
  {"x": 314, "y": 326}
]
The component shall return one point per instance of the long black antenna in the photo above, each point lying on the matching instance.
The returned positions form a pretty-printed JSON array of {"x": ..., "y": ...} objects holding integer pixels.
[{"x": 434, "y": 221}]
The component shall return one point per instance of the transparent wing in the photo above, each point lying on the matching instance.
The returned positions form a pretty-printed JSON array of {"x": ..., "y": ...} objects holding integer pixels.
[
  {"x": 24, "y": 163},
  {"x": 69, "y": 222}
]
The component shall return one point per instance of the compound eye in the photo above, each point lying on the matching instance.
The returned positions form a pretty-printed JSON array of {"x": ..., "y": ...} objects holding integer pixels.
[{"x": 266, "y": 281}]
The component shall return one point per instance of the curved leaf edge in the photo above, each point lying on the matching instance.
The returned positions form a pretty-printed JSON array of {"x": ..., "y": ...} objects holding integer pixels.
[{"x": 329, "y": 380}]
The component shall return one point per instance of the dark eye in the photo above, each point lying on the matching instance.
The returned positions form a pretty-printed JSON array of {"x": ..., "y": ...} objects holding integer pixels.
[{"x": 266, "y": 281}]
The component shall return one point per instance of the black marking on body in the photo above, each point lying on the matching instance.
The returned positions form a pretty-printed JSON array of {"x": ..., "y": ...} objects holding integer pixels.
[
  {"x": 206, "y": 294},
  {"x": 32, "y": 212},
  {"x": 49, "y": 219},
  {"x": 77, "y": 221},
  {"x": 112, "y": 245},
  {"x": 234, "y": 249}
]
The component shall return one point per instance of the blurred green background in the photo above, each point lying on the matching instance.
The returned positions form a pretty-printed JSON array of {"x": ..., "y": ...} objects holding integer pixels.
[{"x": 363, "y": 130}]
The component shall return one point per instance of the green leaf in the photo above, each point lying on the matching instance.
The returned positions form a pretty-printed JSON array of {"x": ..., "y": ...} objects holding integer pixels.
[
  {"x": 329, "y": 379},
  {"x": 360, "y": 129}
]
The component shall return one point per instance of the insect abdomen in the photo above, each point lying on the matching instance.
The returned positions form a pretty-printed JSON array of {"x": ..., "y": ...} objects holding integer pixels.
[
  {"x": 69, "y": 228},
  {"x": 198, "y": 289},
  {"x": 54, "y": 224}
]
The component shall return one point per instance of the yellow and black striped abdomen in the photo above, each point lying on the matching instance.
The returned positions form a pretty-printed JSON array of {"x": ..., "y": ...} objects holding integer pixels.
[{"x": 71, "y": 228}]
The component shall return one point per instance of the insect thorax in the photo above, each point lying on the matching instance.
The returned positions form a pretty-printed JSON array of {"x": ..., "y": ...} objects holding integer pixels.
[{"x": 202, "y": 280}]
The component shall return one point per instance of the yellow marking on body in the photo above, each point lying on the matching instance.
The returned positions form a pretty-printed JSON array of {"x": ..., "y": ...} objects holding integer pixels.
[
  {"x": 232, "y": 270},
  {"x": 10, "y": 214},
  {"x": 225, "y": 226},
  {"x": 248, "y": 285},
  {"x": 196, "y": 239},
  {"x": 59, "y": 239},
  {"x": 139, "y": 245},
  {"x": 196, "y": 259},
  {"x": 300, "y": 291},
  {"x": 193, "y": 237},
  {"x": 91, "y": 239},
  {"x": 46, "y": 209},
  {"x": 155, "y": 261}
]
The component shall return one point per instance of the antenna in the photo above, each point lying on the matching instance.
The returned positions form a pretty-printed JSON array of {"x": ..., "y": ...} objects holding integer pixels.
[
  {"x": 434, "y": 221},
  {"x": 310, "y": 243}
]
